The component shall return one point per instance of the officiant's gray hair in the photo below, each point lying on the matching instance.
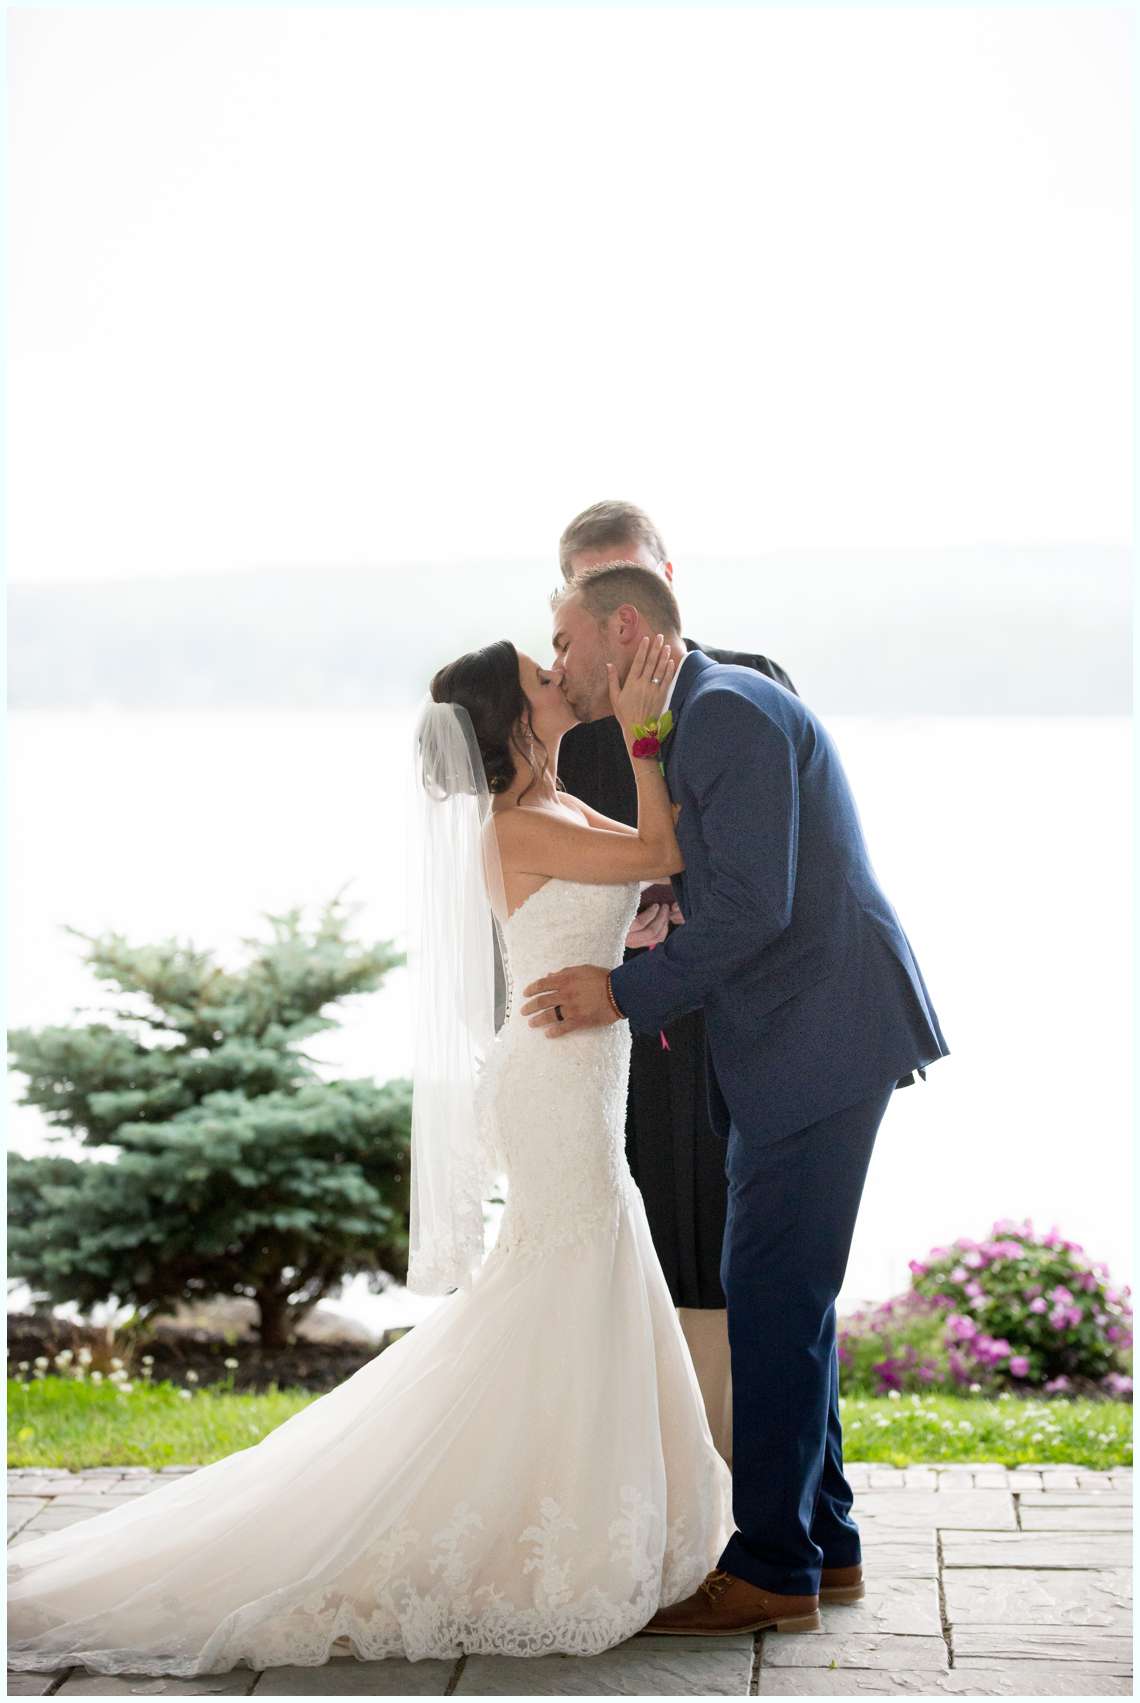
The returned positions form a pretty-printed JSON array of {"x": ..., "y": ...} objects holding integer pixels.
[
  {"x": 604, "y": 589},
  {"x": 606, "y": 525}
]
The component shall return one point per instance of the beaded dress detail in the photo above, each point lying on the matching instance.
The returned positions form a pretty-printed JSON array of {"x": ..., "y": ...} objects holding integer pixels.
[{"x": 527, "y": 1471}]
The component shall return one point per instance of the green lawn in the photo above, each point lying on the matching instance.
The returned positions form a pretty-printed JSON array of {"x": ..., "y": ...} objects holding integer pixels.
[
  {"x": 1015, "y": 1431},
  {"x": 61, "y": 1422}
]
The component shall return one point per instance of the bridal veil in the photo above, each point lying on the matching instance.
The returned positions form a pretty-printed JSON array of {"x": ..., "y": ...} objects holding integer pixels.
[{"x": 458, "y": 969}]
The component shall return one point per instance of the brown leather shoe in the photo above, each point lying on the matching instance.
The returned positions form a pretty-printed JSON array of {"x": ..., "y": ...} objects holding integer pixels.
[
  {"x": 841, "y": 1584},
  {"x": 723, "y": 1605}
]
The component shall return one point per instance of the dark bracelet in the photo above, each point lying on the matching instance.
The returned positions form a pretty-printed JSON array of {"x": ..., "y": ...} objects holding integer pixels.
[{"x": 610, "y": 996}]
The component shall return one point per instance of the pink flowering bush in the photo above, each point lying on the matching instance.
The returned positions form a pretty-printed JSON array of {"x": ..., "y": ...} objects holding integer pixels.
[
  {"x": 1019, "y": 1311},
  {"x": 897, "y": 1345},
  {"x": 1027, "y": 1311}
]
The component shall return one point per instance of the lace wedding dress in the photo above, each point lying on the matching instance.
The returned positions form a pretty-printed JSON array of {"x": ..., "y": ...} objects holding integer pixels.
[{"x": 529, "y": 1470}]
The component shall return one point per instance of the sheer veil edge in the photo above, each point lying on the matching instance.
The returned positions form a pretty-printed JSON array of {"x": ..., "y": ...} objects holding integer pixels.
[{"x": 460, "y": 981}]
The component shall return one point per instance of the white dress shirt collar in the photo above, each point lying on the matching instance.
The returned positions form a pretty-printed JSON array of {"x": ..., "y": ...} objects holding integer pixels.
[{"x": 673, "y": 682}]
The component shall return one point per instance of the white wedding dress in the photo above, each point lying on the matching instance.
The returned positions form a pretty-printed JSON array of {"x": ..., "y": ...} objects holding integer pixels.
[{"x": 529, "y": 1470}]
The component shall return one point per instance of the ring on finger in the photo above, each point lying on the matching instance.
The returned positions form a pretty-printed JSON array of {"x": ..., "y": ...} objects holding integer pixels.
[{"x": 558, "y": 1014}]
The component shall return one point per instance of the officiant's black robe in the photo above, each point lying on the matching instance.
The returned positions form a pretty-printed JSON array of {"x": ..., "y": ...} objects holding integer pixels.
[{"x": 676, "y": 1157}]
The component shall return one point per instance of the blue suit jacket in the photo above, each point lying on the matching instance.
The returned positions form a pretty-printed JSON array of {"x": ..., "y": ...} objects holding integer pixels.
[{"x": 811, "y": 993}]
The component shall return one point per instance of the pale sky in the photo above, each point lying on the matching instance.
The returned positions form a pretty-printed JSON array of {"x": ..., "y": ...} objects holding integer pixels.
[{"x": 347, "y": 286}]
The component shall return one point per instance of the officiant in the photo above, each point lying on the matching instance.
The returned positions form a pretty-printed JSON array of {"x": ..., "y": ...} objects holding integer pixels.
[{"x": 676, "y": 1157}]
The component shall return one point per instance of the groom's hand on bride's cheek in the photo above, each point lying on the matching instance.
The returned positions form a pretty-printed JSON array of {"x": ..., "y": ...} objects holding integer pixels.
[{"x": 578, "y": 993}]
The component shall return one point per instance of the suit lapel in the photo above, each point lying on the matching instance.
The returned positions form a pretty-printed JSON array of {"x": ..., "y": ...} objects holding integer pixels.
[{"x": 694, "y": 664}]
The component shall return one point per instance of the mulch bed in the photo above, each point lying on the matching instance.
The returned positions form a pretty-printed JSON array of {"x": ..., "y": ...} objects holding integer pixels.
[{"x": 314, "y": 1366}]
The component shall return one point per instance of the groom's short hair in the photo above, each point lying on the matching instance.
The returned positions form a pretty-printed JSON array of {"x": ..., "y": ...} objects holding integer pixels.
[
  {"x": 604, "y": 589},
  {"x": 605, "y": 525}
]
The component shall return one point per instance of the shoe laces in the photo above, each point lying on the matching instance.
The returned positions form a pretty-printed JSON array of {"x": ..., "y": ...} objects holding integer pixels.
[{"x": 715, "y": 1584}]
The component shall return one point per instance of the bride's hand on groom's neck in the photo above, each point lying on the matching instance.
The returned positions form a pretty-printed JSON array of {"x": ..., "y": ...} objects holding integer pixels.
[{"x": 641, "y": 697}]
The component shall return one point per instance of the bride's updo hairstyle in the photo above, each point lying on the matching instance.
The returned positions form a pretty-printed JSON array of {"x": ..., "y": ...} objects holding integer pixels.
[{"x": 486, "y": 684}]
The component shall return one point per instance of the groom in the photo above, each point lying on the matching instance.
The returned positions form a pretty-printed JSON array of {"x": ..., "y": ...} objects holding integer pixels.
[{"x": 814, "y": 1009}]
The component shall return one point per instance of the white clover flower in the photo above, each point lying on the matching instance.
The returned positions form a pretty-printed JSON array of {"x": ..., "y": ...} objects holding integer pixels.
[
  {"x": 64, "y": 1357},
  {"x": 116, "y": 1362},
  {"x": 40, "y": 1360},
  {"x": 975, "y": 1389},
  {"x": 232, "y": 1364},
  {"x": 187, "y": 1395},
  {"x": 126, "y": 1389},
  {"x": 23, "y": 1366},
  {"x": 85, "y": 1356},
  {"x": 148, "y": 1359},
  {"x": 1037, "y": 1437},
  {"x": 893, "y": 1395},
  {"x": 116, "y": 1377},
  {"x": 191, "y": 1377},
  {"x": 96, "y": 1376}
]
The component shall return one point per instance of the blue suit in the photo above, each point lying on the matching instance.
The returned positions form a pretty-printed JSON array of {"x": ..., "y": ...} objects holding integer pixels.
[{"x": 814, "y": 1009}]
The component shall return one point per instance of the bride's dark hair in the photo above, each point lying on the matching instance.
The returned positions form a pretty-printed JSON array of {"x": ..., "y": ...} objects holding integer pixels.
[{"x": 486, "y": 684}]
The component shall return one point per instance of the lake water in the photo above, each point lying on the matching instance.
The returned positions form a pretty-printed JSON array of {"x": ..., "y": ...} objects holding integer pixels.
[{"x": 1004, "y": 845}]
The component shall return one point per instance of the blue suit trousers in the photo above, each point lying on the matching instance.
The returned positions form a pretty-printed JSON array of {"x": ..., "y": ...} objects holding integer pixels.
[{"x": 792, "y": 1205}]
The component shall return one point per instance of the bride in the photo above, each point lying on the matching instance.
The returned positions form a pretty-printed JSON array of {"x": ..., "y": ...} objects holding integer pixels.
[{"x": 530, "y": 1469}]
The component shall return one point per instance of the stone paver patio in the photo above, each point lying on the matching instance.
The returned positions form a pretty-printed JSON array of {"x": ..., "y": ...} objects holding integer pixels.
[{"x": 980, "y": 1583}]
